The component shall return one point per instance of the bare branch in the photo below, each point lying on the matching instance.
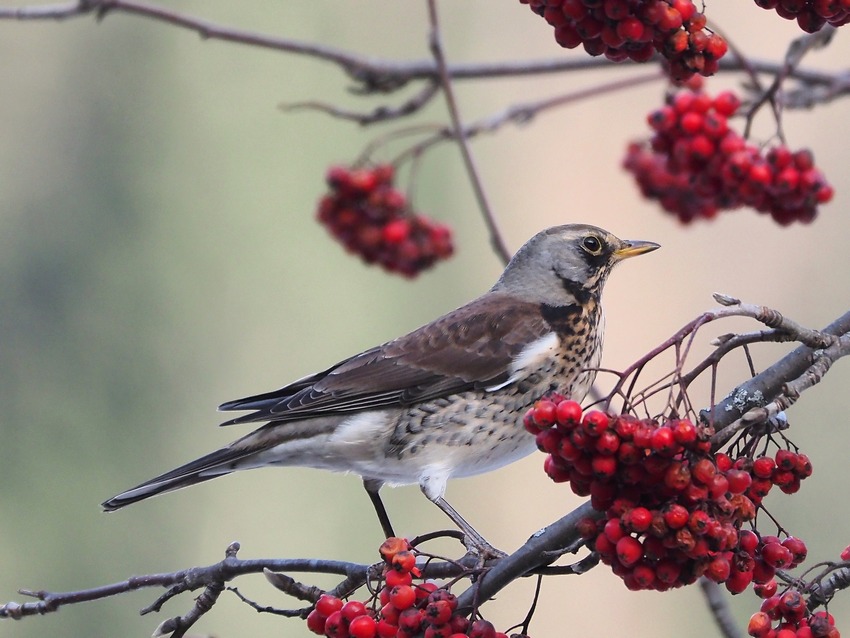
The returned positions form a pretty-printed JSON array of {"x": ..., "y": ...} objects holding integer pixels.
[
  {"x": 177, "y": 582},
  {"x": 475, "y": 179},
  {"x": 385, "y": 76},
  {"x": 178, "y": 626},
  {"x": 824, "y": 591},
  {"x": 767, "y": 385},
  {"x": 718, "y": 605},
  {"x": 539, "y": 550}
]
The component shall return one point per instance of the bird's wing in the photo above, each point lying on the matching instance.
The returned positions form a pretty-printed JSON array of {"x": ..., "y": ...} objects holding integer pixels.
[{"x": 468, "y": 348}]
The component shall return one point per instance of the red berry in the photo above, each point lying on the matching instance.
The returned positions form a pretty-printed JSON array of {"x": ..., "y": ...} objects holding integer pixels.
[
  {"x": 723, "y": 462},
  {"x": 327, "y": 604},
  {"x": 638, "y": 519},
  {"x": 404, "y": 561},
  {"x": 663, "y": 441},
  {"x": 556, "y": 470},
  {"x": 775, "y": 555},
  {"x": 544, "y": 413},
  {"x": 402, "y": 596},
  {"x": 352, "y": 609},
  {"x": 548, "y": 441},
  {"x": 643, "y": 575},
  {"x": 630, "y": 29},
  {"x": 762, "y": 572},
  {"x": 766, "y": 590},
  {"x": 668, "y": 571},
  {"x": 726, "y": 103},
  {"x": 678, "y": 476},
  {"x": 427, "y": 590},
  {"x": 608, "y": 442},
  {"x": 595, "y": 422},
  {"x": 785, "y": 460},
  {"x": 703, "y": 471},
  {"x": 676, "y": 516},
  {"x": 604, "y": 467},
  {"x": 792, "y": 605},
  {"x": 438, "y": 612},
  {"x": 739, "y": 481},
  {"x": 392, "y": 546},
  {"x": 396, "y": 231},
  {"x": 760, "y": 624},
  {"x": 738, "y": 581},
  {"x": 316, "y": 622},
  {"x": 802, "y": 466},
  {"x": 482, "y": 629},
  {"x": 614, "y": 530},
  {"x": 797, "y": 548},
  {"x": 363, "y": 627},
  {"x": 568, "y": 413},
  {"x": 629, "y": 551},
  {"x": 684, "y": 432},
  {"x": 394, "y": 578},
  {"x": 336, "y": 626},
  {"x": 763, "y": 467},
  {"x": 718, "y": 569}
]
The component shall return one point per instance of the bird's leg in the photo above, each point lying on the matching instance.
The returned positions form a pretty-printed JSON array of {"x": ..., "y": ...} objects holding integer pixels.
[
  {"x": 372, "y": 487},
  {"x": 473, "y": 540}
]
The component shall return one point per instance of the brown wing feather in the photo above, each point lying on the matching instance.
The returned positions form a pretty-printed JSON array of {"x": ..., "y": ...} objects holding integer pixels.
[{"x": 468, "y": 348}]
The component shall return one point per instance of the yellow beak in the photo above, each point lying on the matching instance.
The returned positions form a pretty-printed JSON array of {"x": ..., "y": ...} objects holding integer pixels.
[{"x": 634, "y": 248}]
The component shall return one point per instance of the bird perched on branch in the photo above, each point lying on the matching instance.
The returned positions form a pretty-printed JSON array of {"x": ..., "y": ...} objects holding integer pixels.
[{"x": 445, "y": 400}]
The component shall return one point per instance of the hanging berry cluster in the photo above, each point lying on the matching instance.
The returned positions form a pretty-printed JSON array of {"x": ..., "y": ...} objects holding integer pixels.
[
  {"x": 673, "y": 511},
  {"x": 811, "y": 15},
  {"x": 372, "y": 219},
  {"x": 695, "y": 165},
  {"x": 635, "y": 30},
  {"x": 400, "y": 609},
  {"x": 786, "y": 616}
]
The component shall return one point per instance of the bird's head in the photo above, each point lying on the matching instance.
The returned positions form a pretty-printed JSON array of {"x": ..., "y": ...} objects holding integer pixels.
[{"x": 567, "y": 264}]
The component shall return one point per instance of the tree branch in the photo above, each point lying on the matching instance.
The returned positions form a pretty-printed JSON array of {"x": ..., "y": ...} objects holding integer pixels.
[{"x": 385, "y": 76}]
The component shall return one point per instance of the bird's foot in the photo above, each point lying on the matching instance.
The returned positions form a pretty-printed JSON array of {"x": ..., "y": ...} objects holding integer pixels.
[{"x": 477, "y": 545}]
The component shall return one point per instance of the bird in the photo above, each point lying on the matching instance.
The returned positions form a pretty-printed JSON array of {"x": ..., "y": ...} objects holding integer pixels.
[{"x": 445, "y": 400}]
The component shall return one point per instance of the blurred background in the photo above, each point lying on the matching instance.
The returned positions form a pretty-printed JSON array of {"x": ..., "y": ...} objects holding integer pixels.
[{"x": 159, "y": 255}]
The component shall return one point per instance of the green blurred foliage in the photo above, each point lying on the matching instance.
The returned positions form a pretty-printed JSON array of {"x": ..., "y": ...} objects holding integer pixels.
[{"x": 158, "y": 255}]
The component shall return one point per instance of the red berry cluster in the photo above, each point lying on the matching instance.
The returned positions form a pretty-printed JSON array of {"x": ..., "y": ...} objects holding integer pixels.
[
  {"x": 695, "y": 165},
  {"x": 811, "y": 15},
  {"x": 407, "y": 610},
  {"x": 673, "y": 510},
  {"x": 792, "y": 619},
  {"x": 372, "y": 218},
  {"x": 635, "y": 30},
  {"x": 785, "y": 470}
]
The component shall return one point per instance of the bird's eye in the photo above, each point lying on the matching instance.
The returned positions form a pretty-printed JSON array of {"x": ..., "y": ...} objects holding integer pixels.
[{"x": 592, "y": 244}]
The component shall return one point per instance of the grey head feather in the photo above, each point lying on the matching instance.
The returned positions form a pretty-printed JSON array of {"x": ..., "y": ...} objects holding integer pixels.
[{"x": 561, "y": 266}]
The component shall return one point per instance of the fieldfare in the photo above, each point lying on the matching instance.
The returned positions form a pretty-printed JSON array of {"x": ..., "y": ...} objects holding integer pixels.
[{"x": 445, "y": 400}]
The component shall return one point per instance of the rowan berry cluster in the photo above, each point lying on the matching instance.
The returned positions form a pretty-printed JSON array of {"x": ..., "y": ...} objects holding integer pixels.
[
  {"x": 673, "y": 510},
  {"x": 400, "y": 609},
  {"x": 792, "y": 619},
  {"x": 811, "y": 15},
  {"x": 635, "y": 30},
  {"x": 371, "y": 218},
  {"x": 695, "y": 165}
]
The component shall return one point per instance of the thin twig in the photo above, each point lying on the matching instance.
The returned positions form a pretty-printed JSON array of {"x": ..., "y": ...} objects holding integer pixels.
[{"x": 454, "y": 114}]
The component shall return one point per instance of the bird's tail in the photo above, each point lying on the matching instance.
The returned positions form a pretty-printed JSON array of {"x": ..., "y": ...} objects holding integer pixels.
[{"x": 215, "y": 464}]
